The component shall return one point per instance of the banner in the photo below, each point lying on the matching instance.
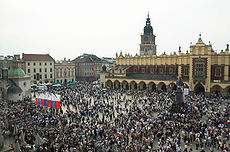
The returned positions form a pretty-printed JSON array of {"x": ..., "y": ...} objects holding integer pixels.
[{"x": 49, "y": 100}]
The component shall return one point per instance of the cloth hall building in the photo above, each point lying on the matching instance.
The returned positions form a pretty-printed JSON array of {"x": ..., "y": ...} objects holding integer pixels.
[{"x": 202, "y": 69}]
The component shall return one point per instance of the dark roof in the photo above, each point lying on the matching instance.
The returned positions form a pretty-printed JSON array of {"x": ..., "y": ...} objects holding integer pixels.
[
  {"x": 148, "y": 29},
  {"x": 14, "y": 89},
  {"x": 37, "y": 57},
  {"x": 87, "y": 58}
]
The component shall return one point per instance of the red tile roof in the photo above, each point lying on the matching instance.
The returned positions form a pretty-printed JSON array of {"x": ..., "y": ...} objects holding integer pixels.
[{"x": 37, "y": 57}]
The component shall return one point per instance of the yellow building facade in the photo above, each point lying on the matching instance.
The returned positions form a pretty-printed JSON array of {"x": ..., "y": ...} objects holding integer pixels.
[{"x": 201, "y": 69}]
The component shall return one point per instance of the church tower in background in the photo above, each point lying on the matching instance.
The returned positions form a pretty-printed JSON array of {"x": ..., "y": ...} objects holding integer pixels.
[{"x": 148, "y": 46}]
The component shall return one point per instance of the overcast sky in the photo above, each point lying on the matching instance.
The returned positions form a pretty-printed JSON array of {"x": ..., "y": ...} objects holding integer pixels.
[{"x": 69, "y": 28}]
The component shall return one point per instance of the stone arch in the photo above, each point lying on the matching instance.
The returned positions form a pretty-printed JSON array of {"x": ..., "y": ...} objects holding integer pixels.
[
  {"x": 161, "y": 86},
  {"x": 109, "y": 83},
  {"x": 227, "y": 91},
  {"x": 133, "y": 85},
  {"x": 199, "y": 89},
  {"x": 142, "y": 85},
  {"x": 117, "y": 84},
  {"x": 125, "y": 85},
  {"x": 216, "y": 89},
  {"x": 152, "y": 86}
]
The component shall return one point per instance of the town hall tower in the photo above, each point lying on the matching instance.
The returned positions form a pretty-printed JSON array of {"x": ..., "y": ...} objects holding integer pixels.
[{"x": 148, "y": 45}]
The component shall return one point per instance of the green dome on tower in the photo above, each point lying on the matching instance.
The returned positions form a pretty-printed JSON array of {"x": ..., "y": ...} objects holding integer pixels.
[{"x": 16, "y": 73}]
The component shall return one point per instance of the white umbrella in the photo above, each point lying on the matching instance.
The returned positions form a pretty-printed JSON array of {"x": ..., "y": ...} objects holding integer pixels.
[
  {"x": 38, "y": 141},
  {"x": 18, "y": 147},
  {"x": 6, "y": 124},
  {"x": 22, "y": 137},
  {"x": 15, "y": 130}
]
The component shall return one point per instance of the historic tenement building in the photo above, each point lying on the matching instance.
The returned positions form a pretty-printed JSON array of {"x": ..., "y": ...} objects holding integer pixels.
[
  {"x": 201, "y": 68},
  {"x": 64, "y": 71},
  {"x": 40, "y": 67},
  {"x": 87, "y": 67}
]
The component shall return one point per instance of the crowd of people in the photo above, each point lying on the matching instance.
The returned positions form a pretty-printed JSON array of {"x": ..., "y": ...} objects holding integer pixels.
[{"x": 92, "y": 119}]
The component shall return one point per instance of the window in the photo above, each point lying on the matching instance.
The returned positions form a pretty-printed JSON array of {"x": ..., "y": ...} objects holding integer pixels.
[
  {"x": 45, "y": 69},
  {"x": 51, "y": 76},
  {"x": 120, "y": 71},
  {"x": 24, "y": 84},
  {"x": 170, "y": 71},
  {"x": 218, "y": 72},
  {"x": 35, "y": 76},
  {"x": 72, "y": 73},
  {"x": 45, "y": 76},
  {"x": 40, "y": 63},
  {"x": 143, "y": 70},
  {"x": 186, "y": 71},
  {"x": 161, "y": 71},
  {"x": 57, "y": 74},
  {"x": 34, "y": 70},
  {"x": 40, "y": 76},
  {"x": 28, "y": 70},
  {"x": 45, "y": 63},
  {"x": 199, "y": 69},
  {"x": 34, "y": 64},
  {"x": 135, "y": 70},
  {"x": 40, "y": 70},
  {"x": 28, "y": 64},
  {"x": 152, "y": 70},
  {"x": 50, "y": 69},
  {"x": 50, "y": 63},
  {"x": 68, "y": 73}
]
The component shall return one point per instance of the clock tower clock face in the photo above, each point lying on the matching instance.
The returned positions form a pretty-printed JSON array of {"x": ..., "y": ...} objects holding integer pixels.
[{"x": 146, "y": 38}]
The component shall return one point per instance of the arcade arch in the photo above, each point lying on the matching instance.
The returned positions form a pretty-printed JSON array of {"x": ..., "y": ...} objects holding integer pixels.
[
  {"x": 152, "y": 86},
  {"x": 142, "y": 85},
  {"x": 161, "y": 86},
  {"x": 199, "y": 89},
  {"x": 133, "y": 85}
]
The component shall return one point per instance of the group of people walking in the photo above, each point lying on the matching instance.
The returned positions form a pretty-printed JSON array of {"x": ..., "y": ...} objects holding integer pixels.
[{"x": 92, "y": 119}]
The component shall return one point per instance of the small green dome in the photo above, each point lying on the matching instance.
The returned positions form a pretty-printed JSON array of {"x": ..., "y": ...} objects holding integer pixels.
[{"x": 16, "y": 73}]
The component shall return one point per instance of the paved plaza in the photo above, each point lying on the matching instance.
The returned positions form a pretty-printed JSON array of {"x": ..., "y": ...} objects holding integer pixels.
[{"x": 95, "y": 119}]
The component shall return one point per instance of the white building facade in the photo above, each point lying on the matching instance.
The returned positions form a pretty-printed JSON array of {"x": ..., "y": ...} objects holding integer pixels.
[
  {"x": 64, "y": 71},
  {"x": 40, "y": 67}
]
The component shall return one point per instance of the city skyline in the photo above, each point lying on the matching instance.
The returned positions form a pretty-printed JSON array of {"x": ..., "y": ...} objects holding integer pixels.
[{"x": 69, "y": 29}]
